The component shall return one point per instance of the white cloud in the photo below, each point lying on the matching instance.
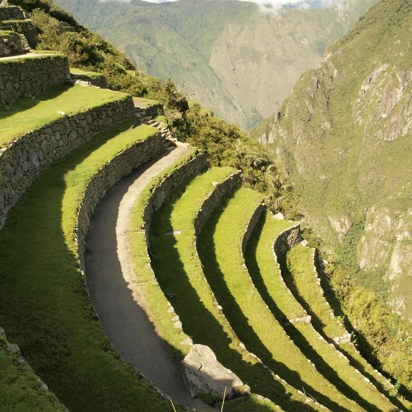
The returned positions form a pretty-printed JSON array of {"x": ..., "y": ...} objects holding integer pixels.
[
  {"x": 159, "y": 1},
  {"x": 266, "y": 5}
]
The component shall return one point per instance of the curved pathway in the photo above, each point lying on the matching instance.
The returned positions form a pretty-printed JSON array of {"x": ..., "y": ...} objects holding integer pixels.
[{"x": 116, "y": 299}]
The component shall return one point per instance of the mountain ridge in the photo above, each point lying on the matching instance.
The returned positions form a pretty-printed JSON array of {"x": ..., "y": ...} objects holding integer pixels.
[
  {"x": 343, "y": 138},
  {"x": 210, "y": 48}
]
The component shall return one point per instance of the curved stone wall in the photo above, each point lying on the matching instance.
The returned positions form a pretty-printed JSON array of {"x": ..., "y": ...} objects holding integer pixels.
[
  {"x": 169, "y": 183},
  {"x": 112, "y": 172},
  {"x": 251, "y": 225},
  {"x": 23, "y": 160},
  {"x": 31, "y": 76},
  {"x": 286, "y": 240},
  {"x": 215, "y": 199}
]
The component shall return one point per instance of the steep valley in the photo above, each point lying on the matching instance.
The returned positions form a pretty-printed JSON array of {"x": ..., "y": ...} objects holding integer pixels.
[
  {"x": 229, "y": 55},
  {"x": 343, "y": 137}
]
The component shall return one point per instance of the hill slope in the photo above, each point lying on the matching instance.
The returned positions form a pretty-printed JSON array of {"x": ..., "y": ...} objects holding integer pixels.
[
  {"x": 344, "y": 139},
  {"x": 212, "y": 48}
]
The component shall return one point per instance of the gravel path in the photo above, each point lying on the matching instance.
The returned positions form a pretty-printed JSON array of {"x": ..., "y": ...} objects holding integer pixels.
[{"x": 116, "y": 300}]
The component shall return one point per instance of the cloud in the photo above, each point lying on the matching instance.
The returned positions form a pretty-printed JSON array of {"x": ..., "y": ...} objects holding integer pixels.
[
  {"x": 302, "y": 4},
  {"x": 268, "y": 4},
  {"x": 159, "y": 1}
]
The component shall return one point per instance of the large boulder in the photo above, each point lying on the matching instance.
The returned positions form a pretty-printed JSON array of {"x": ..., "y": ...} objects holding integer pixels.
[{"x": 206, "y": 375}]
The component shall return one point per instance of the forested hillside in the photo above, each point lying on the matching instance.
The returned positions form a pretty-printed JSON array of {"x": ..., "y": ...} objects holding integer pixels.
[{"x": 344, "y": 139}]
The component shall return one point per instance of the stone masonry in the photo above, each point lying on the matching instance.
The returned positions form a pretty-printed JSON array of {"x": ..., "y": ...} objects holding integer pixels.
[
  {"x": 27, "y": 77},
  {"x": 24, "y": 159}
]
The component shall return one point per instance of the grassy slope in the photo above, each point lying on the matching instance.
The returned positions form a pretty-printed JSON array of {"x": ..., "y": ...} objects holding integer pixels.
[
  {"x": 245, "y": 309},
  {"x": 195, "y": 303},
  {"x": 268, "y": 279},
  {"x": 19, "y": 387},
  {"x": 343, "y": 170},
  {"x": 30, "y": 114},
  {"x": 306, "y": 286},
  {"x": 43, "y": 303}
]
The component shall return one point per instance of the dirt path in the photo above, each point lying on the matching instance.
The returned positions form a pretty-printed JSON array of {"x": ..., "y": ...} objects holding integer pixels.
[{"x": 109, "y": 271}]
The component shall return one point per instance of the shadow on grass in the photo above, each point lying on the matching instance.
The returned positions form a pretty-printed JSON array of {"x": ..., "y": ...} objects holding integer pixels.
[
  {"x": 365, "y": 349},
  {"x": 45, "y": 308},
  {"x": 197, "y": 321},
  {"x": 27, "y": 103},
  {"x": 295, "y": 334},
  {"x": 238, "y": 320}
]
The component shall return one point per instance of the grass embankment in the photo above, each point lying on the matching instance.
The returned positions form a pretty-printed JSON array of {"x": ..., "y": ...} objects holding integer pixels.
[
  {"x": 268, "y": 280},
  {"x": 34, "y": 113},
  {"x": 20, "y": 388},
  {"x": 248, "y": 313},
  {"x": 91, "y": 74},
  {"x": 179, "y": 272},
  {"x": 44, "y": 306},
  {"x": 305, "y": 285}
]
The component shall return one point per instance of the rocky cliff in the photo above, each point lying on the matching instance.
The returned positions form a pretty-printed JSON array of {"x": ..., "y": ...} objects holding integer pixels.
[{"x": 344, "y": 139}]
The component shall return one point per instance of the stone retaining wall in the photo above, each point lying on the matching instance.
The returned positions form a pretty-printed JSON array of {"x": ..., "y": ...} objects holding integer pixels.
[
  {"x": 25, "y": 27},
  {"x": 23, "y": 160},
  {"x": 11, "y": 13},
  {"x": 286, "y": 240},
  {"x": 27, "y": 77},
  {"x": 94, "y": 79},
  {"x": 251, "y": 225},
  {"x": 12, "y": 44},
  {"x": 216, "y": 199},
  {"x": 112, "y": 172},
  {"x": 169, "y": 183}
]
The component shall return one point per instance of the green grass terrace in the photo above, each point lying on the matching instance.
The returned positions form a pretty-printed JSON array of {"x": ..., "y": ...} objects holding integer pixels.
[
  {"x": 33, "y": 113},
  {"x": 44, "y": 306},
  {"x": 179, "y": 271},
  {"x": 265, "y": 272},
  {"x": 220, "y": 248},
  {"x": 306, "y": 286}
]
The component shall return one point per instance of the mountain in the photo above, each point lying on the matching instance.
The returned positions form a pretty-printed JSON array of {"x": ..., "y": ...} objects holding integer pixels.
[
  {"x": 229, "y": 55},
  {"x": 344, "y": 139}
]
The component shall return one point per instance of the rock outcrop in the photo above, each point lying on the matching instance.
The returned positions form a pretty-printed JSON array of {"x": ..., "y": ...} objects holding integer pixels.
[{"x": 206, "y": 375}]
